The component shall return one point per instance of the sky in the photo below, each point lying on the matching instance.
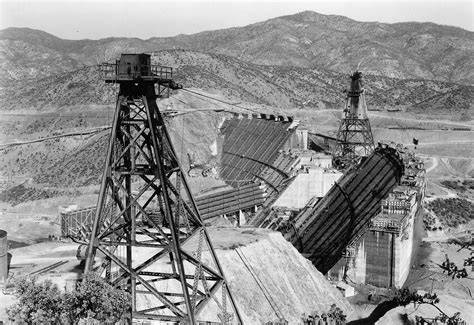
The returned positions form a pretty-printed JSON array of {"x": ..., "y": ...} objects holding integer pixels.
[{"x": 72, "y": 19}]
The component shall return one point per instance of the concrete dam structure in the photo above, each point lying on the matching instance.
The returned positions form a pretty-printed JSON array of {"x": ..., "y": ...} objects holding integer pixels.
[
  {"x": 322, "y": 231},
  {"x": 382, "y": 255},
  {"x": 252, "y": 150},
  {"x": 333, "y": 219}
]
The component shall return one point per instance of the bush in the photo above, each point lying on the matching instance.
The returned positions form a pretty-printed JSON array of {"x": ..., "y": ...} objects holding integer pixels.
[
  {"x": 39, "y": 303},
  {"x": 94, "y": 298},
  {"x": 452, "y": 212},
  {"x": 454, "y": 185},
  {"x": 334, "y": 316},
  {"x": 93, "y": 302},
  {"x": 468, "y": 183}
]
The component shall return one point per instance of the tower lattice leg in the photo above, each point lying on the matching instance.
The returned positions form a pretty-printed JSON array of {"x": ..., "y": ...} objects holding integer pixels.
[
  {"x": 148, "y": 236},
  {"x": 354, "y": 140}
]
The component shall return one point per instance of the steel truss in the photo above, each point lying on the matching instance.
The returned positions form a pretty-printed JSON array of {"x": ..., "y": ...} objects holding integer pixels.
[
  {"x": 146, "y": 218},
  {"x": 354, "y": 140}
]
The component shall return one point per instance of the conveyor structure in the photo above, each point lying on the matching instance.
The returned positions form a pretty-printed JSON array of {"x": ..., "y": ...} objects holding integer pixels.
[
  {"x": 77, "y": 224},
  {"x": 231, "y": 201}
]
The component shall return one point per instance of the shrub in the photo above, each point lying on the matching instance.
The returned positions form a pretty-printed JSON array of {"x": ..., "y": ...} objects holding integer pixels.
[
  {"x": 93, "y": 302},
  {"x": 94, "y": 298},
  {"x": 38, "y": 303},
  {"x": 453, "y": 185},
  {"x": 452, "y": 212}
]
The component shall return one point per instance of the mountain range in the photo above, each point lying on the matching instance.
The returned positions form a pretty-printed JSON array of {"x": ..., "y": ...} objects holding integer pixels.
[
  {"x": 306, "y": 40},
  {"x": 268, "y": 86}
]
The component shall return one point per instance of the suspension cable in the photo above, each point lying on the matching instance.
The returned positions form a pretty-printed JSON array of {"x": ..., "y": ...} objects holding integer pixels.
[{"x": 219, "y": 100}]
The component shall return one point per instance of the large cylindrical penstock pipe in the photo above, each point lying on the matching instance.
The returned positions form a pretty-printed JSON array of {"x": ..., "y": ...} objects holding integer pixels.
[
  {"x": 346, "y": 209},
  {"x": 3, "y": 256}
]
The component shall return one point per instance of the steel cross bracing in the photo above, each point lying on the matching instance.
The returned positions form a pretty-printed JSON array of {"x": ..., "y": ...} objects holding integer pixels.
[
  {"x": 354, "y": 137},
  {"x": 354, "y": 140},
  {"x": 146, "y": 219}
]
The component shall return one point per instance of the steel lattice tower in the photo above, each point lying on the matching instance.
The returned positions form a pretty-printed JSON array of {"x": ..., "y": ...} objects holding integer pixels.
[
  {"x": 354, "y": 137},
  {"x": 146, "y": 215}
]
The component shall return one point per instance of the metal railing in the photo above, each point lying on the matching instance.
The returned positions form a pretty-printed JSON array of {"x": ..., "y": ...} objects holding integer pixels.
[
  {"x": 162, "y": 72},
  {"x": 108, "y": 70},
  {"x": 115, "y": 71},
  {"x": 385, "y": 225}
]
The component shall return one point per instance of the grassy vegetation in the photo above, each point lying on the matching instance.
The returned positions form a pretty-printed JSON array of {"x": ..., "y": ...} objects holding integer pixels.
[
  {"x": 430, "y": 222},
  {"x": 460, "y": 186},
  {"x": 22, "y": 193},
  {"x": 452, "y": 212},
  {"x": 92, "y": 302}
]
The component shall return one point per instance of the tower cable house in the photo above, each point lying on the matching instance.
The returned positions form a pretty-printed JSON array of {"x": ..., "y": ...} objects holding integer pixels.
[
  {"x": 354, "y": 137},
  {"x": 147, "y": 235}
]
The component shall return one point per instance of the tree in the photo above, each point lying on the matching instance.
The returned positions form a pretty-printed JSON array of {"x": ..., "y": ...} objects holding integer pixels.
[
  {"x": 334, "y": 316},
  {"x": 39, "y": 303},
  {"x": 93, "y": 302},
  {"x": 404, "y": 296},
  {"x": 336, "y": 313},
  {"x": 96, "y": 299}
]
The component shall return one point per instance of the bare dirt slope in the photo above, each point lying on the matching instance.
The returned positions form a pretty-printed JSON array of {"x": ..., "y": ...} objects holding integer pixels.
[{"x": 293, "y": 283}]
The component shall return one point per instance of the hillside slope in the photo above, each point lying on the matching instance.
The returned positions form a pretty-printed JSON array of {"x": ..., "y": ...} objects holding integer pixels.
[
  {"x": 310, "y": 39},
  {"x": 295, "y": 287},
  {"x": 273, "y": 86},
  {"x": 79, "y": 100},
  {"x": 307, "y": 39}
]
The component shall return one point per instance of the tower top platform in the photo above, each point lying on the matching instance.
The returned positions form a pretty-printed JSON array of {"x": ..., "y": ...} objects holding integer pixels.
[{"x": 135, "y": 67}]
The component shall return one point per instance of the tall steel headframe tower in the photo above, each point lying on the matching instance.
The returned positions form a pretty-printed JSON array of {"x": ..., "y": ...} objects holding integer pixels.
[
  {"x": 147, "y": 235},
  {"x": 354, "y": 138}
]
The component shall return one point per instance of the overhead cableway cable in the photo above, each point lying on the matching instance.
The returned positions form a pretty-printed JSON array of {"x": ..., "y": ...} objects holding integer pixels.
[
  {"x": 71, "y": 134},
  {"x": 220, "y": 100}
]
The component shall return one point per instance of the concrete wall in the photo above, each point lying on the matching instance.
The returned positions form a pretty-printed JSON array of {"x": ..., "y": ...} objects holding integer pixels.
[
  {"x": 3, "y": 256},
  {"x": 315, "y": 183},
  {"x": 405, "y": 246},
  {"x": 380, "y": 262},
  {"x": 308, "y": 159},
  {"x": 374, "y": 262},
  {"x": 381, "y": 259},
  {"x": 298, "y": 140},
  {"x": 356, "y": 271}
]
